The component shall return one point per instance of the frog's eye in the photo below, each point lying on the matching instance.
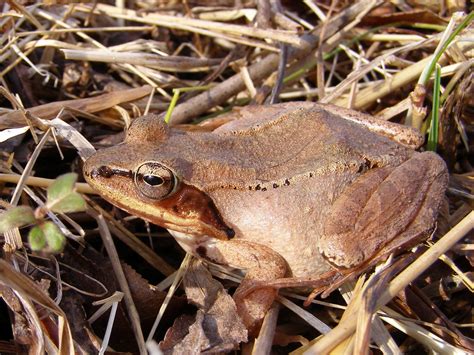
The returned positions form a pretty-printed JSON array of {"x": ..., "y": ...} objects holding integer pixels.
[{"x": 155, "y": 180}]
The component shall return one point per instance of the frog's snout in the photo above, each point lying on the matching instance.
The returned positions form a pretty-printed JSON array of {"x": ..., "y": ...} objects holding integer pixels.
[
  {"x": 101, "y": 171},
  {"x": 94, "y": 168},
  {"x": 90, "y": 168}
]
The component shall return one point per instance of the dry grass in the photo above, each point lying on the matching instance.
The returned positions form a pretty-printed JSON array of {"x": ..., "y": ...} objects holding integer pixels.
[{"x": 73, "y": 76}]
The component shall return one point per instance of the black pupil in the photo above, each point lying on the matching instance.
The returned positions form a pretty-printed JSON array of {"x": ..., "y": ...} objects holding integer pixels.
[{"x": 153, "y": 180}]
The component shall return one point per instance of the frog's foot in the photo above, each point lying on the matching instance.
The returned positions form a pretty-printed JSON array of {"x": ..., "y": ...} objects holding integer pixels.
[
  {"x": 262, "y": 265},
  {"x": 385, "y": 210},
  {"x": 327, "y": 281}
]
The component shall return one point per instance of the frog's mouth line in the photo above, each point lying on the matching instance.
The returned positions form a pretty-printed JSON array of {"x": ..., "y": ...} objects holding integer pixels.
[{"x": 188, "y": 210}]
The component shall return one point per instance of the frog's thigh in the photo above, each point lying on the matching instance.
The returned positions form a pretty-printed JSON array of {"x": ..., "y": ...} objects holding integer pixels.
[
  {"x": 261, "y": 263},
  {"x": 381, "y": 206}
]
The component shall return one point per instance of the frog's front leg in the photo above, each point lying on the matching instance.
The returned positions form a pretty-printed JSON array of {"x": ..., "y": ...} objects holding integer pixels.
[
  {"x": 384, "y": 210},
  {"x": 262, "y": 265}
]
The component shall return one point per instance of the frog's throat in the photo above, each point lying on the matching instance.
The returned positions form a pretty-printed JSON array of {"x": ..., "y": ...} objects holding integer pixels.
[
  {"x": 203, "y": 247},
  {"x": 191, "y": 243}
]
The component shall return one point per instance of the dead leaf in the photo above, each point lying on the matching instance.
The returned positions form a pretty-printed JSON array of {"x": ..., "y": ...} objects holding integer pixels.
[
  {"x": 90, "y": 105},
  {"x": 216, "y": 327},
  {"x": 422, "y": 16}
]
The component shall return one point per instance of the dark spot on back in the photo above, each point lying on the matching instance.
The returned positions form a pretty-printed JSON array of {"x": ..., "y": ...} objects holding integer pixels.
[
  {"x": 287, "y": 182},
  {"x": 366, "y": 165}
]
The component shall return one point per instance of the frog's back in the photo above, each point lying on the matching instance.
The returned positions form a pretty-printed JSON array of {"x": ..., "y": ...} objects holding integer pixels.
[{"x": 298, "y": 139}]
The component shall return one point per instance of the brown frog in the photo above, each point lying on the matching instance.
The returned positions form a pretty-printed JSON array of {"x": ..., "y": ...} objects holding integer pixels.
[{"x": 306, "y": 192}]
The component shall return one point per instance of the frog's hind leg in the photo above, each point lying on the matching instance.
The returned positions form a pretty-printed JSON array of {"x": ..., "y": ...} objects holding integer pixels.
[
  {"x": 424, "y": 223},
  {"x": 384, "y": 211}
]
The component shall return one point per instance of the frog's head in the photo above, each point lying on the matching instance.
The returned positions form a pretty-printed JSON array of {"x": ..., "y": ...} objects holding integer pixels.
[{"x": 146, "y": 179}]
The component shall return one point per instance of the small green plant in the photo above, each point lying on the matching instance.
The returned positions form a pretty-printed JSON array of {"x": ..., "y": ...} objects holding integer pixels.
[
  {"x": 45, "y": 235},
  {"x": 175, "y": 98}
]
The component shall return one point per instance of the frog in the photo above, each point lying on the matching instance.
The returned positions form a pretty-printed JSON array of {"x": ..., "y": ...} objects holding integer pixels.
[{"x": 294, "y": 194}]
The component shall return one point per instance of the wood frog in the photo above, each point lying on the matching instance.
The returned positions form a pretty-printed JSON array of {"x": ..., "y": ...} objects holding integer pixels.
[{"x": 293, "y": 193}]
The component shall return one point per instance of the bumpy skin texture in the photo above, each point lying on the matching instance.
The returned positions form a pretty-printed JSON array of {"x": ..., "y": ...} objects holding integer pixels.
[{"x": 308, "y": 184}]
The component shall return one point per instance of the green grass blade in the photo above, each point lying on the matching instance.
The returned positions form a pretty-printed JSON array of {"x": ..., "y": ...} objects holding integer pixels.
[{"x": 434, "y": 127}]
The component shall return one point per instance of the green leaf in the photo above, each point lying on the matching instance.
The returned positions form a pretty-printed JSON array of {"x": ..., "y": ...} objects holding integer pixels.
[
  {"x": 61, "y": 187},
  {"x": 70, "y": 203},
  {"x": 62, "y": 196},
  {"x": 36, "y": 239},
  {"x": 54, "y": 237},
  {"x": 16, "y": 217}
]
